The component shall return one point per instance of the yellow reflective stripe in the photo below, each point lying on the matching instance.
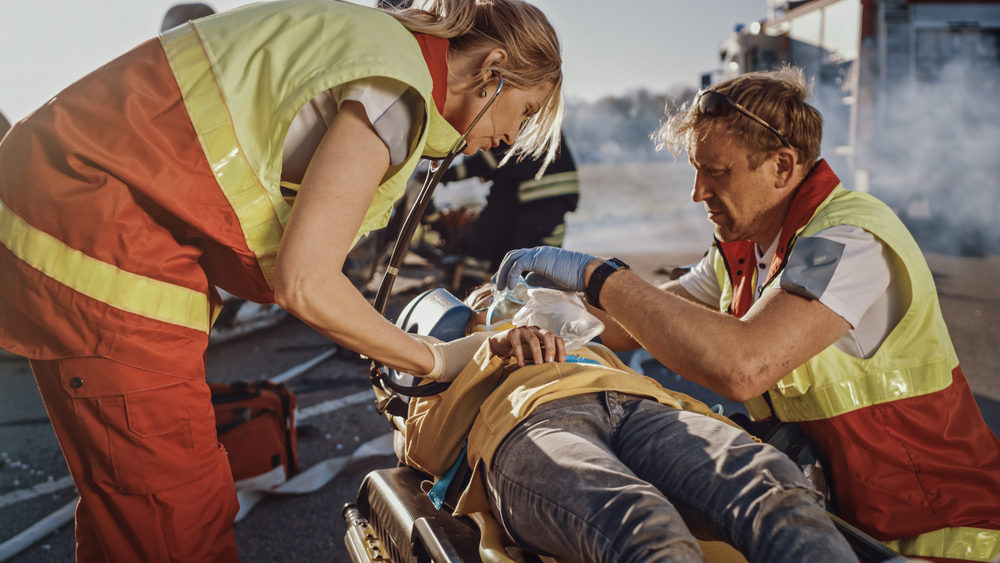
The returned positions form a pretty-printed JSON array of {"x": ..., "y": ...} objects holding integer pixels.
[
  {"x": 288, "y": 191},
  {"x": 557, "y": 236},
  {"x": 970, "y": 544},
  {"x": 490, "y": 160},
  {"x": 250, "y": 200},
  {"x": 104, "y": 282},
  {"x": 839, "y": 397},
  {"x": 563, "y": 183},
  {"x": 757, "y": 409}
]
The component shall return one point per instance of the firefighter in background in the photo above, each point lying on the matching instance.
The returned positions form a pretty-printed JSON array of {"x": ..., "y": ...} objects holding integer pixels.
[
  {"x": 396, "y": 4},
  {"x": 521, "y": 210},
  {"x": 127, "y": 198}
]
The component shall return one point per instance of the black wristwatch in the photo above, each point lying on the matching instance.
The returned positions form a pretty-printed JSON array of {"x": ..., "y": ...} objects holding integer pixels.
[{"x": 598, "y": 278}]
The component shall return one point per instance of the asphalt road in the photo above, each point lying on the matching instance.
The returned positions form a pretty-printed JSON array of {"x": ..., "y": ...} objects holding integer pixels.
[{"x": 310, "y": 527}]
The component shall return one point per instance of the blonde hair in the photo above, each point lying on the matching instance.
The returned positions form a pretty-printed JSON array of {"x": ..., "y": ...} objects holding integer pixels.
[
  {"x": 778, "y": 97},
  {"x": 533, "y": 56},
  {"x": 477, "y": 295}
]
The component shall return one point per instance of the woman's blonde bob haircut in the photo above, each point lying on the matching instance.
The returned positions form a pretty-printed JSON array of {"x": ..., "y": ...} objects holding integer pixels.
[{"x": 533, "y": 56}]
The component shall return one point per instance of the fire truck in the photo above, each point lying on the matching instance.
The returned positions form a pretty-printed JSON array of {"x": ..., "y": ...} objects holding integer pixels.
[{"x": 907, "y": 91}]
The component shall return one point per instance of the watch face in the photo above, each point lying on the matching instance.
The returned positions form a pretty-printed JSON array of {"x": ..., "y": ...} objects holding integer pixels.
[{"x": 618, "y": 263}]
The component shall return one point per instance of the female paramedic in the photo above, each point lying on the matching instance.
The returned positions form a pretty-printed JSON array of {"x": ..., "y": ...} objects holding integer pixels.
[{"x": 248, "y": 150}]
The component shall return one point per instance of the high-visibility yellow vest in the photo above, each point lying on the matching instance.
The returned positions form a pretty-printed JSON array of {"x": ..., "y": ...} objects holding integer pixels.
[
  {"x": 160, "y": 176},
  {"x": 244, "y": 75},
  {"x": 915, "y": 359}
]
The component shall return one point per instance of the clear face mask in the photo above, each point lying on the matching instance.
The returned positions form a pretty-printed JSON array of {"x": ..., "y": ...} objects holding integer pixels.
[
  {"x": 506, "y": 303},
  {"x": 559, "y": 312}
]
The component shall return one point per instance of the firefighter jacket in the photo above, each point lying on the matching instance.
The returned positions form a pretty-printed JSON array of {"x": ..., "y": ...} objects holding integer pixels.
[
  {"x": 134, "y": 192},
  {"x": 911, "y": 460},
  {"x": 521, "y": 210}
]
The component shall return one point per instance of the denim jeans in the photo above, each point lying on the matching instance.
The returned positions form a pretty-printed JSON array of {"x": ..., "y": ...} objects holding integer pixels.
[{"x": 614, "y": 477}]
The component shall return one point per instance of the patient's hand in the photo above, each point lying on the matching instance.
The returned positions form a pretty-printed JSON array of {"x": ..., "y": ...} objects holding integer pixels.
[{"x": 542, "y": 345}]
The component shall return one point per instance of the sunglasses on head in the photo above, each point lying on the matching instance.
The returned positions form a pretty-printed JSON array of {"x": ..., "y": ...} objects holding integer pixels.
[{"x": 714, "y": 104}]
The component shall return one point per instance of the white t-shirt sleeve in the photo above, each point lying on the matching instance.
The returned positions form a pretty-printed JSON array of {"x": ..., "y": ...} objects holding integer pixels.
[
  {"x": 701, "y": 282},
  {"x": 390, "y": 106},
  {"x": 859, "y": 286},
  {"x": 393, "y": 109},
  {"x": 861, "y": 276}
]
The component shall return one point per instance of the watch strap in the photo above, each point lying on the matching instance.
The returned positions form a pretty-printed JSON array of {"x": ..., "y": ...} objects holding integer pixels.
[{"x": 599, "y": 276}]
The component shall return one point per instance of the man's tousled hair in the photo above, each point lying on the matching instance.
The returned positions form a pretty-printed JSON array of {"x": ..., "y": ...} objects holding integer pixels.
[{"x": 778, "y": 97}]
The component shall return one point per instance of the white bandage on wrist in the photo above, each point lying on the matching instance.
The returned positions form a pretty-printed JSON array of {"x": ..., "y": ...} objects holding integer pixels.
[{"x": 450, "y": 358}]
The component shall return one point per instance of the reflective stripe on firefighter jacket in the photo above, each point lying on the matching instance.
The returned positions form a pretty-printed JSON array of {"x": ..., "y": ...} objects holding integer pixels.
[
  {"x": 521, "y": 210},
  {"x": 139, "y": 188},
  {"x": 900, "y": 434},
  {"x": 560, "y": 179}
]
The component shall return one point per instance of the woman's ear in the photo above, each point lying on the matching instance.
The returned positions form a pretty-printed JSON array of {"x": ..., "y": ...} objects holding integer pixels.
[{"x": 496, "y": 57}]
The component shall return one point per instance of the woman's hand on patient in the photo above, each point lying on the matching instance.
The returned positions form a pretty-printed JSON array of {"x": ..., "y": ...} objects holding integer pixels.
[{"x": 528, "y": 342}]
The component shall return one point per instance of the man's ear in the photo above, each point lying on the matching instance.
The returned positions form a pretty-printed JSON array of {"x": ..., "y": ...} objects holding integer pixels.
[{"x": 785, "y": 168}]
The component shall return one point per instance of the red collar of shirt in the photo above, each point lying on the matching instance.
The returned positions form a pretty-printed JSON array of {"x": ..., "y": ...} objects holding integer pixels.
[
  {"x": 435, "y": 51},
  {"x": 739, "y": 255}
]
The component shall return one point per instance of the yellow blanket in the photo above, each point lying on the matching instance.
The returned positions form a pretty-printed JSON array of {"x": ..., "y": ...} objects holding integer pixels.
[{"x": 492, "y": 395}]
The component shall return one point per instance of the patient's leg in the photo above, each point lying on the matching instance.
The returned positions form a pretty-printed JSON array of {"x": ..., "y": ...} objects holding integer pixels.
[
  {"x": 558, "y": 488},
  {"x": 726, "y": 485}
]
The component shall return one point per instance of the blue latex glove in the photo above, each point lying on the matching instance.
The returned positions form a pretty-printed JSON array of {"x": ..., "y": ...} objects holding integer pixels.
[
  {"x": 534, "y": 279},
  {"x": 565, "y": 268}
]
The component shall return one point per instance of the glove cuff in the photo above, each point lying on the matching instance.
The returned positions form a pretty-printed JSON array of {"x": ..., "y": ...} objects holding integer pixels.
[
  {"x": 438, "y": 369},
  {"x": 450, "y": 358}
]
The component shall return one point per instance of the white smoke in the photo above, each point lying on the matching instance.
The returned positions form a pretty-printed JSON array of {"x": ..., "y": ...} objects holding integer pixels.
[{"x": 940, "y": 162}]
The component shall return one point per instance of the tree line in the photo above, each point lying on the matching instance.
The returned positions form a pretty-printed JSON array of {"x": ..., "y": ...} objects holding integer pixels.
[{"x": 616, "y": 129}]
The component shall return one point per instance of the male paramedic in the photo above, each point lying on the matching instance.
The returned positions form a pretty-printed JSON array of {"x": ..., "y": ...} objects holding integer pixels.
[{"x": 813, "y": 306}]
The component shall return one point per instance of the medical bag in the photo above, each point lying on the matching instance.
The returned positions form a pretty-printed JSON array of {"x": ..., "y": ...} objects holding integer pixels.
[{"x": 256, "y": 424}]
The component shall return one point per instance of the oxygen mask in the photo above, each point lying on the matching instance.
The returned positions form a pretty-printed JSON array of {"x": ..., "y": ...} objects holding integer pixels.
[
  {"x": 506, "y": 303},
  {"x": 555, "y": 310}
]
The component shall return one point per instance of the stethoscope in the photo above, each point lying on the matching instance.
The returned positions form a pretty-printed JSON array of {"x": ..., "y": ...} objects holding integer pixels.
[{"x": 436, "y": 170}]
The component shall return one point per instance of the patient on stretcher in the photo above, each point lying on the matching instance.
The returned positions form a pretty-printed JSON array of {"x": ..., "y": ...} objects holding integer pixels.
[{"x": 581, "y": 458}]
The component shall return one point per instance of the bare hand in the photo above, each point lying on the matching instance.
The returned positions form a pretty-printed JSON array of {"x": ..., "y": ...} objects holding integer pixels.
[{"x": 543, "y": 345}]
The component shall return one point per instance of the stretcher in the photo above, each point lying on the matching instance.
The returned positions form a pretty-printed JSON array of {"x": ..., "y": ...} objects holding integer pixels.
[{"x": 392, "y": 518}]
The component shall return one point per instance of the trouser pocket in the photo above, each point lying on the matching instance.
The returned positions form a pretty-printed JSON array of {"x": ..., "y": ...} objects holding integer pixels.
[{"x": 142, "y": 442}]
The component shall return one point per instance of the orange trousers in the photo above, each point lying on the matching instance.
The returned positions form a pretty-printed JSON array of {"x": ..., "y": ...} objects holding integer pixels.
[{"x": 154, "y": 482}]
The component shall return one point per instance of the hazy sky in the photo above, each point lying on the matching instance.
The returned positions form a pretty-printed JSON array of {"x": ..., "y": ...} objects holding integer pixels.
[{"x": 609, "y": 46}]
